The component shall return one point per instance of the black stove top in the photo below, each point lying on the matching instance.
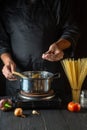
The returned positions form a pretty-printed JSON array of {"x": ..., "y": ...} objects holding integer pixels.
[{"x": 53, "y": 103}]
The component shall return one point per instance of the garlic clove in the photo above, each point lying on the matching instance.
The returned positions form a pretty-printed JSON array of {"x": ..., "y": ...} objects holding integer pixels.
[{"x": 34, "y": 112}]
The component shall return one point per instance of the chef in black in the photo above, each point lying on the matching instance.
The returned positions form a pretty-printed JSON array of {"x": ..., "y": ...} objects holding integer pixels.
[{"x": 35, "y": 35}]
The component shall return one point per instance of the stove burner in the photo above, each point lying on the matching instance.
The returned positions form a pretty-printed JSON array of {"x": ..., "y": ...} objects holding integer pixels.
[{"x": 36, "y": 96}]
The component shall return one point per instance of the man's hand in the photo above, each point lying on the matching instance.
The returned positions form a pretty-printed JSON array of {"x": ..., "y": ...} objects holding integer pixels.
[
  {"x": 55, "y": 52},
  {"x": 8, "y": 69},
  {"x": 9, "y": 66}
]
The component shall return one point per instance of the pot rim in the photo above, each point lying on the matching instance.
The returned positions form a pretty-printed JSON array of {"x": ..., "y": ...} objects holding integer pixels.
[{"x": 48, "y": 76}]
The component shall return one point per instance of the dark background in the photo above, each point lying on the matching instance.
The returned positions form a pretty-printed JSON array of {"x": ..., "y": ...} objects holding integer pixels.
[{"x": 80, "y": 14}]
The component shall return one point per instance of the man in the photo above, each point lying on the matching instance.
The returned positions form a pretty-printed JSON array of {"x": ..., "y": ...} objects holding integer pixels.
[{"x": 36, "y": 34}]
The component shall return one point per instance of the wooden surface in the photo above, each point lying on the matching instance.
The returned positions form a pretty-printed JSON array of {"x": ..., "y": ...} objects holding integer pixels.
[{"x": 47, "y": 120}]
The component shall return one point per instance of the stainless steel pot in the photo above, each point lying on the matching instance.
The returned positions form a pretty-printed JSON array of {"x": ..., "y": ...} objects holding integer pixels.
[{"x": 37, "y": 81}]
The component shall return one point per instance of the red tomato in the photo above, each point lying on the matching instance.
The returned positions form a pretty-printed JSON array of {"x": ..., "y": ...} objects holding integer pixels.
[{"x": 73, "y": 107}]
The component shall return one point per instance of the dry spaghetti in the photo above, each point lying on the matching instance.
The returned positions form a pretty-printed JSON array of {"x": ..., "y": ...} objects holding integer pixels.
[{"x": 76, "y": 71}]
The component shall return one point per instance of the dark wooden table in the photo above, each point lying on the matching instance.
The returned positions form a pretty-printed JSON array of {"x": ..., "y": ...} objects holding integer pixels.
[{"x": 60, "y": 119}]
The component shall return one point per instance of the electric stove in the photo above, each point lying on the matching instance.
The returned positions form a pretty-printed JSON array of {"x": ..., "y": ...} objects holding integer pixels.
[{"x": 50, "y": 100}]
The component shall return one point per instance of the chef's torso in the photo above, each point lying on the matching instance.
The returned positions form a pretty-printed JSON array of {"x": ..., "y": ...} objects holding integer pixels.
[{"x": 32, "y": 27}]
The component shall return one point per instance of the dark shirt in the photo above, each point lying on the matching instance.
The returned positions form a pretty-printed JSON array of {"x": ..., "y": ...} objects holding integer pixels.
[{"x": 31, "y": 26}]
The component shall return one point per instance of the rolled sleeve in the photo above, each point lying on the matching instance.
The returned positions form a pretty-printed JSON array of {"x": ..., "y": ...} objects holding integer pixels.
[{"x": 71, "y": 33}]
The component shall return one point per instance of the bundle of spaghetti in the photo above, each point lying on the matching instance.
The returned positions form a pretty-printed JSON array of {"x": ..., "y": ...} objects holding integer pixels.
[{"x": 76, "y": 71}]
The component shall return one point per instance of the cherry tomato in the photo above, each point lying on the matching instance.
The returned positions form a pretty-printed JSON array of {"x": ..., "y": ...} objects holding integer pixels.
[{"x": 73, "y": 107}]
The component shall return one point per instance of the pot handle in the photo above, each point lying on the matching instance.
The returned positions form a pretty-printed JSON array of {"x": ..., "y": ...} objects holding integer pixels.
[{"x": 56, "y": 76}]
